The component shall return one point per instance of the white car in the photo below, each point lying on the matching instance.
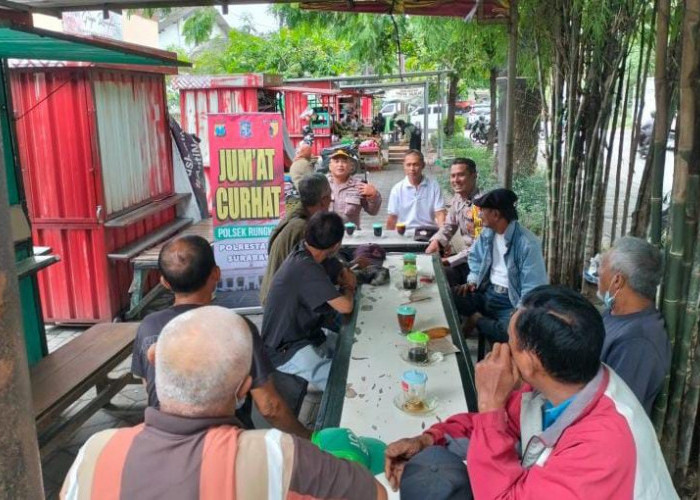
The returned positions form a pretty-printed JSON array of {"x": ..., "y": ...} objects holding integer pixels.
[{"x": 418, "y": 115}]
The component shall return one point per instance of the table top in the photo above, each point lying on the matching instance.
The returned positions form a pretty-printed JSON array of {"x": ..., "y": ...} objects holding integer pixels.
[
  {"x": 363, "y": 400},
  {"x": 390, "y": 240},
  {"x": 149, "y": 258}
]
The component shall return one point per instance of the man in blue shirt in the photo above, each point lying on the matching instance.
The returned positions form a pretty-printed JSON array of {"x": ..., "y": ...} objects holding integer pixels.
[
  {"x": 636, "y": 343},
  {"x": 505, "y": 263}
]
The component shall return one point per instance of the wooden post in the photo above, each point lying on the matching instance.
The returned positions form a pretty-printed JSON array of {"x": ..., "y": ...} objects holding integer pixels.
[
  {"x": 20, "y": 468},
  {"x": 505, "y": 173}
]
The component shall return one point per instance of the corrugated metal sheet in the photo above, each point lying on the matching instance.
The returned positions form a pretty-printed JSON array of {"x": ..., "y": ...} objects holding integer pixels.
[
  {"x": 195, "y": 105},
  {"x": 54, "y": 133},
  {"x": 134, "y": 139},
  {"x": 248, "y": 80},
  {"x": 366, "y": 110},
  {"x": 86, "y": 287},
  {"x": 90, "y": 138}
]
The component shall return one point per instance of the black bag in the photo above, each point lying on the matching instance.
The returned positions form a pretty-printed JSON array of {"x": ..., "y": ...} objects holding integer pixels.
[{"x": 424, "y": 233}]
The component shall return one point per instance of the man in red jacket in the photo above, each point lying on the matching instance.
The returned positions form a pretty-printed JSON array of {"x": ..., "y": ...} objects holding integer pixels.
[{"x": 573, "y": 430}]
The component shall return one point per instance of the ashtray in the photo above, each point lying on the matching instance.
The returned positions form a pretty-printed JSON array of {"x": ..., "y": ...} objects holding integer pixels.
[{"x": 416, "y": 408}]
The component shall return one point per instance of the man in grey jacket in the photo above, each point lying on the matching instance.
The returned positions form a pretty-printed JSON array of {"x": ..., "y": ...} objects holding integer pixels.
[
  {"x": 505, "y": 263},
  {"x": 636, "y": 343}
]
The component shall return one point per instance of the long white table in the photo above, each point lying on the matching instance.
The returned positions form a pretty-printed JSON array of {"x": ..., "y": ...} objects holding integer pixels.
[
  {"x": 366, "y": 372},
  {"x": 390, "y": 240}
]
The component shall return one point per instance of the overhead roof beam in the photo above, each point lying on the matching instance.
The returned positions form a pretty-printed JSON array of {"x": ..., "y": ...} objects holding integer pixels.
[{"x": 369, "y": 78}]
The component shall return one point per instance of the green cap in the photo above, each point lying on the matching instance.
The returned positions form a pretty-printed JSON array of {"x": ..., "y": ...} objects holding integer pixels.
[
  {"x": 409, "y": 256},
  {"x": 349, "y": 224},
  {"x": 418, "y": 337},
  {"x": 377, "y": 225},
  {"x": 343, "y": 443}
]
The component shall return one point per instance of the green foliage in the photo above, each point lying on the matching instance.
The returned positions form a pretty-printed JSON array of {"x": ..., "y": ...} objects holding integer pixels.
[
  {"x": 291, "y": 53},
  {"x": 198, "y": 27},
  {"x": 531, "y": 190}
]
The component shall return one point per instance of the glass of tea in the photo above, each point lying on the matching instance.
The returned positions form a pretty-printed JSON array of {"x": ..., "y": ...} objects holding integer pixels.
[
  {"x": 410, "y": 277},
  {"x": 407, "y": 318},
  {"x": 400, "y": 228},
  {"x": 418, "y": 347},
  {"x": 377, "y": 229},
  {"x": 350, "y": 228}
]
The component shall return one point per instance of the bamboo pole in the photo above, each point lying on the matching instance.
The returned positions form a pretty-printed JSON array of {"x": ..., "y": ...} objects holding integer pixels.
[
  {"x": 679, "y": 365},
  {"x": 637, "y": 117},
  {"x": 661, "y": 119},
  {"x": 673, "y": 295},
  {"x": 616, "y": 203}
]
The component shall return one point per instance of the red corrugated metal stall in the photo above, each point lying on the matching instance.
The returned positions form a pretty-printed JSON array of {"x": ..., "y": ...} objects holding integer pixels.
[
  {"x": 94, "y": 144},
  {"x": 367, "y": 110},
  {"x": 201, "y": 95},
  {"x": 296, "y": 101}
]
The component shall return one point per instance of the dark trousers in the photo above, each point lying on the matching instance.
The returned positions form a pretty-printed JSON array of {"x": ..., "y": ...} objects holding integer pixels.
[
  {"x": 456, "y": 275},
  {"x": 495, "y": 307}
]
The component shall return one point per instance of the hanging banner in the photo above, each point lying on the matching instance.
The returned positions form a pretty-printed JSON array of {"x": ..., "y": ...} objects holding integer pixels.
[{"x": 247, "y": 178}]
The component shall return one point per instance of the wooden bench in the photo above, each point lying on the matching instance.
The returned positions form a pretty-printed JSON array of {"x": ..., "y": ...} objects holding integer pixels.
[
  {"x": 147, "y": 261},
  {"x": 64, "y": 376},
  {"x": 162, "y": 233}
]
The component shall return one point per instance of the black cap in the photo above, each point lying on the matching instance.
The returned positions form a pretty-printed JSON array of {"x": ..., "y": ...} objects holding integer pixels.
[
  {"x": 435, "y": 474},
  {"x": 499, "y": 199}
]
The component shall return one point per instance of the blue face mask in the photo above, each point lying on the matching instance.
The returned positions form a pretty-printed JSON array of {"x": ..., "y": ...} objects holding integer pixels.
[{"x": 608, "y": 300}]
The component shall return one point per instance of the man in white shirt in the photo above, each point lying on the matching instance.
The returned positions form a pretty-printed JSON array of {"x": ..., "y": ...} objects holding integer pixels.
[
  {"x": 416, "y": 200},
  {"x": 505, "y": 263}
]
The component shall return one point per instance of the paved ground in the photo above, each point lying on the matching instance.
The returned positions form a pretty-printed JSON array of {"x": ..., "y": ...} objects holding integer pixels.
[{"x": 132, "y": 401}]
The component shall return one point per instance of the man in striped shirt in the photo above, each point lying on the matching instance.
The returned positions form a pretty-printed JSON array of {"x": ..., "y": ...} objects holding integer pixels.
[{"x": 193, "y": 447}]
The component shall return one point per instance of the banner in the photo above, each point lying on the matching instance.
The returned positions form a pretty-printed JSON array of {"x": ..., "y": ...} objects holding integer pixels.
[
  {"x": 188, "y": 148},
  {"x": 247, "y": 179}
]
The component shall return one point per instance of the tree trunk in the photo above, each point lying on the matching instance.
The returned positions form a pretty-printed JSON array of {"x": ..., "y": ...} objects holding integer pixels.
[
  {"x": 493, "y": 74},
  {"x": 451, "y": 104},
  {"x": 526, "y": 133}
]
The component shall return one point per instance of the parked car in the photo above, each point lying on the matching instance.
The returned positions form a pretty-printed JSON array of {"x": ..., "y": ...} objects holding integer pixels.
[{"x": 417, "y": 115}]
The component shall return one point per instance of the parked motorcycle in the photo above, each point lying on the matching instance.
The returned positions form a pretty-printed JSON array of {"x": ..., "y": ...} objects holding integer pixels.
[{"x": 478, "y": 132}]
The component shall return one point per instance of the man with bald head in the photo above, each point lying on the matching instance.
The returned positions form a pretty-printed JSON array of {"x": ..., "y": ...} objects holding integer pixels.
[
  {"x": 193, "y": 446},
  {"x": 189, "y": 270}
]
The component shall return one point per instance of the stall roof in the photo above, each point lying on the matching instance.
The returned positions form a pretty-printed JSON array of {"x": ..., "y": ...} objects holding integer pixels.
[
  {"x": 25, "y": 42},
  {"x": 246, "y": 80},
  {"x": 307, "y": 90},
  {"x": 484, "y": 10}
]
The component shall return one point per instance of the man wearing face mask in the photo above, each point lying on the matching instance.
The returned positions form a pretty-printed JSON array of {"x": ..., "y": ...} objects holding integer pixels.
[
  {"x": 300, "y": 299},
  {"x": 636, "y": 344},
  {"x": 552, "y": 420},
  {"x": 188, "y": 269}
]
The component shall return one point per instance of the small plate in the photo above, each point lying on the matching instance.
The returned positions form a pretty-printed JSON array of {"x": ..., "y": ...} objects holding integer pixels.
[
  {"x": 429, "y": 405},
  {"x": 433, "y": 358}
]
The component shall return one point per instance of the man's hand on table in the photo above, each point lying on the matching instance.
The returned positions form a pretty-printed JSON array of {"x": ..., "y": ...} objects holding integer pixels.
[
  {"x": 399, "y": 452},
  {"x": 433, "y": 246},
  {"x": 496, "y": 377},
  {"x": 347, "y": 280}
]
